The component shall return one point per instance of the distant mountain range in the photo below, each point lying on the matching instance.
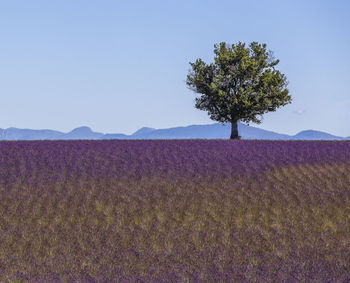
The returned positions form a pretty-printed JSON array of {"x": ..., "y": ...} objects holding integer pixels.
[{"x": 211, "y": 131}]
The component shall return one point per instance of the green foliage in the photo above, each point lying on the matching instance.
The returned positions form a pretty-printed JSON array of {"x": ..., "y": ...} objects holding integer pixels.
[{"x": 241, "y": 85}]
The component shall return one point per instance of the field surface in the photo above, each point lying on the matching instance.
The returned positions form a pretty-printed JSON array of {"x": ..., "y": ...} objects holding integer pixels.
[{"x": 174, "y": 211}]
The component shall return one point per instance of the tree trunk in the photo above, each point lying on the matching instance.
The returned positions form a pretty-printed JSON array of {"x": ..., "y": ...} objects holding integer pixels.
[{"x": 234, "y": 130}]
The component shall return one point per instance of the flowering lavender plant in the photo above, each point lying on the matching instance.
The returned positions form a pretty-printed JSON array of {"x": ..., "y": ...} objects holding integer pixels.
[{"x": 174, "y": 211}]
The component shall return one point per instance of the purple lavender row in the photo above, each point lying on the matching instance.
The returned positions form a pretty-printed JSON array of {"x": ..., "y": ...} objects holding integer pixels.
[{"x": 28, "y": 162}]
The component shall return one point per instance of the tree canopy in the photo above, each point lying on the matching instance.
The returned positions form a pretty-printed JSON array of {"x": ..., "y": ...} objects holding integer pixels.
[{"x": 240, "y": 85}]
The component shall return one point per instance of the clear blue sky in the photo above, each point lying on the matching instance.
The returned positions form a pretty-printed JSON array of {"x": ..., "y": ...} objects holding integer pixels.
[{"x": 116, "y": 66}]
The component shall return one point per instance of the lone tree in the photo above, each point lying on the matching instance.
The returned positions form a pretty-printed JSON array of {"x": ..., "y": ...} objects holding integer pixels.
[{"x": 241, "y": 85}]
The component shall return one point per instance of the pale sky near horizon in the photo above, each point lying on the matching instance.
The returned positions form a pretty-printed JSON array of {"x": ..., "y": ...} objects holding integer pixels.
[{"x": 117, "y": 66}]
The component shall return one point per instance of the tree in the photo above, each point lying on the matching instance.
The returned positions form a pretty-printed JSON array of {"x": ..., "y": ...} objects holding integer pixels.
[{"x": 241, "y": 85}]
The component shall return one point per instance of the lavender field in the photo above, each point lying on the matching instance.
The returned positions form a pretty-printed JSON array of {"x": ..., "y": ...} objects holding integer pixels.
[{"x": 174, "y": 211}]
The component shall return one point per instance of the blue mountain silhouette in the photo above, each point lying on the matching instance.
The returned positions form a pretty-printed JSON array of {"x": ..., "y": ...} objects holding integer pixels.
[{"x": 210, "y": 131}]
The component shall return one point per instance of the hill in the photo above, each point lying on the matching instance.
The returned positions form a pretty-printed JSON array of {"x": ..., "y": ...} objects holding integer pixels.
[{"x": 210, "y": 131}]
